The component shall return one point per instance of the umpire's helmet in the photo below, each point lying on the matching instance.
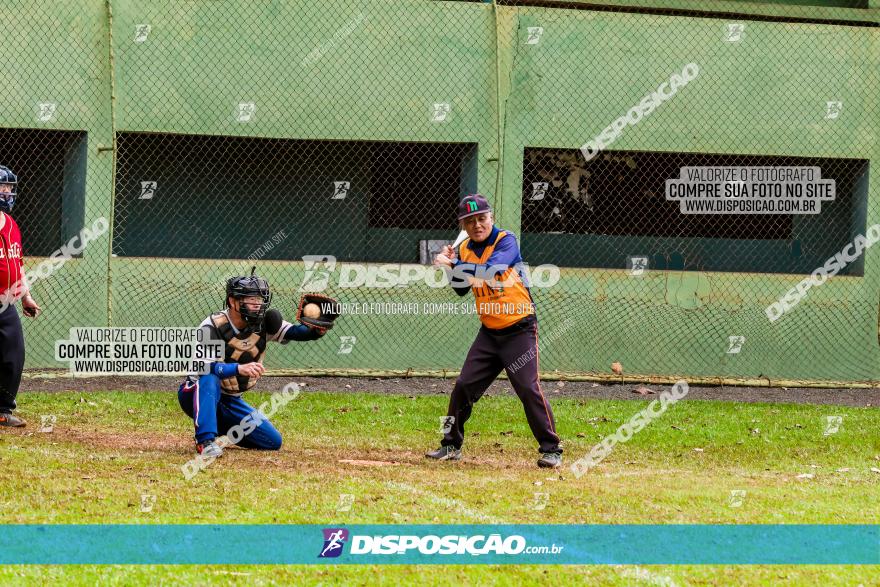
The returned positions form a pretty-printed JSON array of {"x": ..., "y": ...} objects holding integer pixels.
[
  {"x": 247, "y": 286},
  {"x": 8, "y": 199}
]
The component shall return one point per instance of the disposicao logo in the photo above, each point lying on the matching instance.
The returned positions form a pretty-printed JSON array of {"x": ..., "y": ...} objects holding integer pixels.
[
  {"x": 408, "y": 544},
  {"x": 472, "y": 545},
  {"x": 334, "y": 540}
]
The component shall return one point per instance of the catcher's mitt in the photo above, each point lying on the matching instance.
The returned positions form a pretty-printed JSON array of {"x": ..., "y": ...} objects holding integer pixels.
[{"x": 329, "y": 311}]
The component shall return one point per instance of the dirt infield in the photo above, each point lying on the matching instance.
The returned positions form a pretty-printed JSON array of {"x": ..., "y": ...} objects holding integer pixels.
[{"x": 429, "y": 386}]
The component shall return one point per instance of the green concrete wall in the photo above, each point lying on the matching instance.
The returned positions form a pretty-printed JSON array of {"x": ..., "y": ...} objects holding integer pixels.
[
  {"x": 58, "y": 52},
  {"x": 591, "y": 67}
]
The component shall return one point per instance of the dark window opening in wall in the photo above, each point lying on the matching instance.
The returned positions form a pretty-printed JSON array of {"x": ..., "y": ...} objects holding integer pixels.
[
  {"x": 417, "y": 185},
  {"x": 51, "y": 170},
  {"x": 216, "y": 197},
  {"x": 600, "y": 213}
]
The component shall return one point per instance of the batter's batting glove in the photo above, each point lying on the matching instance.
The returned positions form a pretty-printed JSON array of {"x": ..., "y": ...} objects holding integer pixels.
[{"x": 329, "y": 312}]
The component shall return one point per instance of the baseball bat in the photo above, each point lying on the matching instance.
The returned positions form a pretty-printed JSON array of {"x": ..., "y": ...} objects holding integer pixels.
[{"x": 459, "y": 239}]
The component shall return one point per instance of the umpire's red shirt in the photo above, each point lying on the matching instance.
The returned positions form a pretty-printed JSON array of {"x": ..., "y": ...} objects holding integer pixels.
[{"x": 10, "y": 254}]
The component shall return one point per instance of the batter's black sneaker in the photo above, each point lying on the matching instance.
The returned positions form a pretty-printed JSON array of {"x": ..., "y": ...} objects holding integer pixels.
[
  {"x": 445, "y": 453},
  {"x": 550, "y": 460},
  {"x": 12, "y": 421}
]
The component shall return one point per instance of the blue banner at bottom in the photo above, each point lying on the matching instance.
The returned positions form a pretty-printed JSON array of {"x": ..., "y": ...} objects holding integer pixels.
[{"x": 441, "y": 544}]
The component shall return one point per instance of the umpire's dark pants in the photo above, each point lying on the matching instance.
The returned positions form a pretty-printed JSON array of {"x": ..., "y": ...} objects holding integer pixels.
[
  {"x": 11, "y": 357},
  {"x": 514, "y": 349}
]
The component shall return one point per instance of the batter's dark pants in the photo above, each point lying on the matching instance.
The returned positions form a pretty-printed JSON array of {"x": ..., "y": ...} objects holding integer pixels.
[
  {"x": 514, "y": 349},
  {"x": 11, "y": 358}
]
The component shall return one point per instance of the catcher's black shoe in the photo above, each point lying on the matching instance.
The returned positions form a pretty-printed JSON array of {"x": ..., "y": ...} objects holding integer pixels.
[
  {"x": 12, "y": 421},
  {"x": 550, "y": 460},
  {"x": 209, "y": 449},
  {"x": 445, "y": 453}
]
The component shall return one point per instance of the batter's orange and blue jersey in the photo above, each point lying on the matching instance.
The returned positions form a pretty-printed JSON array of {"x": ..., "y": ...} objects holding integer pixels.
[{"x": 493, "y": 269}]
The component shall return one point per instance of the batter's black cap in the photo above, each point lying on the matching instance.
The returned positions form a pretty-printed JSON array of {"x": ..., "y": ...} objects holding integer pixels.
[{"x": 473, "y": 204}]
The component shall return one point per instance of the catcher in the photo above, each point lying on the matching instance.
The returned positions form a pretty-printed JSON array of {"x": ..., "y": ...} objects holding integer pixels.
[{"x": 213, "y": 400}]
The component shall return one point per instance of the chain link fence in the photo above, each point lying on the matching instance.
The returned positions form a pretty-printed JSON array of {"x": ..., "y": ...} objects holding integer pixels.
[
  {"x": 56, "y": 134},
  {"x": 336, "y": 145},
  {"x": 669, "y": 291}
]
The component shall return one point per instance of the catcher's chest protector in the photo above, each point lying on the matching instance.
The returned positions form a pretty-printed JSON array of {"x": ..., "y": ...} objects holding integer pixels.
[{"x": 244, "y": 347}]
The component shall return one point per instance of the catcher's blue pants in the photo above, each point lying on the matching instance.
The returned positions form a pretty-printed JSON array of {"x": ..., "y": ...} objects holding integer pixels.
[
  {"x": 214, "y": 413},
  {"x": 515, "y": 350}
]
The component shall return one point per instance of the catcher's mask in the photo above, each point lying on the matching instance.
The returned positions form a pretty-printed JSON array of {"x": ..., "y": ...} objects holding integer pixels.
[
  {"x": 242, "y": 287},
  {"x": 7, "y": 199}
]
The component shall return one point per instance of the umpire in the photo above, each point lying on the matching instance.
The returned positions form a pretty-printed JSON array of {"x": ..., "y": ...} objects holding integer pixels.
[
  {"x": 488, "y": 262},
  {"x": 13, "y": 286}
]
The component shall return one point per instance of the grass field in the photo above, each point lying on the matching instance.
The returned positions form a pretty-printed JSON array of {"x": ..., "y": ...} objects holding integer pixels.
[{"x": 107, "y": 449}]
